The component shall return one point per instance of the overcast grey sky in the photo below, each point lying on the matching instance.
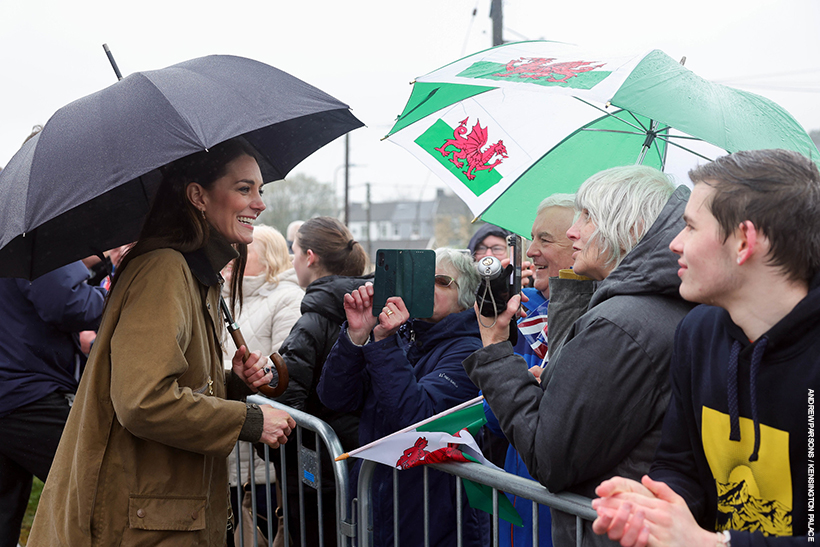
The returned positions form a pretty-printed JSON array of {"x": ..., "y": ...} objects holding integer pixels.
[{"x": 366, "y": 52}]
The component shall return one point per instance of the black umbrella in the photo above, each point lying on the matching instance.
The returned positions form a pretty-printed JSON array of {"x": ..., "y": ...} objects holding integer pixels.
[{"x": 84, "y": 184}]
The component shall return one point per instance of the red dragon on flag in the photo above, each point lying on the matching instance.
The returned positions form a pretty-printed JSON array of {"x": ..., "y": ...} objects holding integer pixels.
[
  {"x": 543, "y": 67},
  {"x": 469, "y": 148},
  {"x": 417, "y": 455}
]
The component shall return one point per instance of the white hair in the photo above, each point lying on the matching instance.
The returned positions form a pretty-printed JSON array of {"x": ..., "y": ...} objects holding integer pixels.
[
  {"x": 623, "y": 203},
  {"x": 467, "y": 278},
  {"x": 566, "y": 201}
]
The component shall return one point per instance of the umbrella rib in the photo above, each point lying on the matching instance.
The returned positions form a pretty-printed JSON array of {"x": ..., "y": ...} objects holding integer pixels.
[
  {"x": 610, "y": 114},
  {"x": 614, "y": 131},
  {"x": 687, "y": 149},
  {"x": 688, "y": 137},
  {"x": 637, "y": 121}
]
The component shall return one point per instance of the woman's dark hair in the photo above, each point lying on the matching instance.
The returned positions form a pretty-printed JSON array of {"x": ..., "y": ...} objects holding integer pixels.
[
  {"x": 331, "y": 241},
  {"x": 173, "y": 221}
]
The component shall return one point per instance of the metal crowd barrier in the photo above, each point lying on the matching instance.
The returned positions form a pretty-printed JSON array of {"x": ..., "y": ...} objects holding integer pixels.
[
  {"x": 573, "y": 504},
  {"x": 309, "y": 463},
  {"x": 346, "y": 517}
]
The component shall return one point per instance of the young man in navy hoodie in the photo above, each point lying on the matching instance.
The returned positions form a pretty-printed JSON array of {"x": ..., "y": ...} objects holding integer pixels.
[{"x": 735, "y": 465}]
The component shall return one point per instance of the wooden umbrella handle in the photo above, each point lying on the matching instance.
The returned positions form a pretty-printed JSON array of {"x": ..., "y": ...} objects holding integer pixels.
[{"x": 276, "y": 359}]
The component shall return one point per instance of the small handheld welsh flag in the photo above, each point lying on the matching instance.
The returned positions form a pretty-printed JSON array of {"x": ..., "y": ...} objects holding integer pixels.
[{"x": 445, "y": 437}]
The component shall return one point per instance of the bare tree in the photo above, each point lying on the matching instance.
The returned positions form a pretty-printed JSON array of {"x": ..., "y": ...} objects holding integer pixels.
[
  {"x": 815, "y": 136},
  {"x": 298, "y": 197}
]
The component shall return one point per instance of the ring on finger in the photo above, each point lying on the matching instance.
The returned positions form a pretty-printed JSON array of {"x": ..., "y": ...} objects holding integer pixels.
[
  {"x": 266, "y": 370},
  {"x": 388, "y": 311}
]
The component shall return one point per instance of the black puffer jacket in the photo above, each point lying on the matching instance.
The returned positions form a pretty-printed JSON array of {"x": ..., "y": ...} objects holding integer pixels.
[
  {"x": 305, "y": 350},
  {"x": 308, "y": 345}
]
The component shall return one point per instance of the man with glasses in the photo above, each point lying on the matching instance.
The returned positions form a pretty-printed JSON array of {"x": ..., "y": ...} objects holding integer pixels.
[{"x": 489, "y": 240}]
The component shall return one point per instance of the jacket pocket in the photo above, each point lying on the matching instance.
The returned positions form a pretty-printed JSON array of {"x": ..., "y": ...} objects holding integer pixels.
[{"x": 166, "y": 513}]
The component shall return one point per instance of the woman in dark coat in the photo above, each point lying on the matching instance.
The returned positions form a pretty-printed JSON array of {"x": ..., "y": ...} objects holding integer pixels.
[
  {"x": 328, "y": 264},
  {"x": 398, "y": 371}
]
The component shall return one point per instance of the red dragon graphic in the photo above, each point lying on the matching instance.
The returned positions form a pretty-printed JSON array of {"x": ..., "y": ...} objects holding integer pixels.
[
  {"x": 540, "y": 67},
  {"x": 417, "y": 455},
  {"x": 469, "y": 149}
]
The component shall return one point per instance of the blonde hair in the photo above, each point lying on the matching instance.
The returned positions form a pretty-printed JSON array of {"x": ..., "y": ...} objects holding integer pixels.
[{"x": 272, "y": 252}]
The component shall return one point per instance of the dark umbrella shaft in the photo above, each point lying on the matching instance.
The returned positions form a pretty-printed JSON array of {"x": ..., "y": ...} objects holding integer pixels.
[{"x": 281, "y": 370}]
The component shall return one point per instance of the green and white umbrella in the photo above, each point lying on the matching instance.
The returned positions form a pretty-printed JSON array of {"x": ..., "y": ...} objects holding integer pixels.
[{"x": 508, "y": 126}]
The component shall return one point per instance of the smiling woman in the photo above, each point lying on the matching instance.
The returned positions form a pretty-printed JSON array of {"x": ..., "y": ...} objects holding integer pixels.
[
  {"x": 233, "y": 201},
  {"x": 153, "y": 400}
]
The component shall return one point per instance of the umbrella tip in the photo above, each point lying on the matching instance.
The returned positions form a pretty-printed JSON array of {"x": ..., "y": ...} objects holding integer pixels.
[{"x": 683, "y": 60}]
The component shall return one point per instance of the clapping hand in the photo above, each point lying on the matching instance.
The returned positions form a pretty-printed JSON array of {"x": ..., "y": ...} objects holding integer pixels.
[{"x": 646, "y": 513}]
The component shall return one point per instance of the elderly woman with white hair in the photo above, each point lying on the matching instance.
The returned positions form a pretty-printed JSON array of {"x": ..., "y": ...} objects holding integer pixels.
[
  {"x": 598, "y": 410},
  {"x": 398, "y": 370}
]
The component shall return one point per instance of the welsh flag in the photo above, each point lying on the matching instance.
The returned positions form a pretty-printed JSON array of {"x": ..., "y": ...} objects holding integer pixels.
[{"x": 445, "y": 437}]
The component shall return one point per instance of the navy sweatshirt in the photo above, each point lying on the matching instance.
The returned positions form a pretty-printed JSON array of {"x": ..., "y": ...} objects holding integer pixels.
[{"x": 738, "y": 437}]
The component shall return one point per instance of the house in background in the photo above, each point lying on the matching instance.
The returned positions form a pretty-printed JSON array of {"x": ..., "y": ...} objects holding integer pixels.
[{"x": 442, "y": 222}]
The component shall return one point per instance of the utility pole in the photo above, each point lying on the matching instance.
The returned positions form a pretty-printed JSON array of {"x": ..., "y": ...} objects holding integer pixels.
[
  {"x": 367, "y": 208},
  {"x": 497, "y": 16},
  {"x": 347, "y": 178}
]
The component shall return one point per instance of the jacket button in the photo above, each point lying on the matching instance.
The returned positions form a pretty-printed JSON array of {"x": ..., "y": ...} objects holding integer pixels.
[
  {"x": 193, "y": 515},
  {"x": 141, "y": 513}
]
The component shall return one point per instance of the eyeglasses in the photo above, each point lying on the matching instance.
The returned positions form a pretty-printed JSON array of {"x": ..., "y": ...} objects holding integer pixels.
[
  {"x": 499, "y": 251},
  {"x": 445, "y": 281}
]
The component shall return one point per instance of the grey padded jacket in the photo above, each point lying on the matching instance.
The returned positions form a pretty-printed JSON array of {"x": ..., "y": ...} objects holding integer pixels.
[{"x": 599, "y": 408}]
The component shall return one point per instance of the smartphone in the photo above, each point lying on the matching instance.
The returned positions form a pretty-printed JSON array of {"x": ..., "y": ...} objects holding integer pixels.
[
  {"x": 516, "y": 243},
  {"x": 408, "y": 273}
]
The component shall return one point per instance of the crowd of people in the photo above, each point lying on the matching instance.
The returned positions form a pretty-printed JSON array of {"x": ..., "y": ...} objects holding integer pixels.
[{"x": 663, "y": 367}]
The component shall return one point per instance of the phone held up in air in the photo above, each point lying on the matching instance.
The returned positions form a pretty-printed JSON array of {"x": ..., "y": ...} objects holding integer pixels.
[{"x": 408, "y": 273}]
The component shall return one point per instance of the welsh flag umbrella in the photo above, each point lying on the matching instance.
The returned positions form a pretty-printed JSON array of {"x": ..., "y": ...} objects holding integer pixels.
[{"x": 508, "y": 126}]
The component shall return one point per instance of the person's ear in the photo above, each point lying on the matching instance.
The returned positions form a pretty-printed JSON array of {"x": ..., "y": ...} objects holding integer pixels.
[
  {"x": 311, "y": 258},
  {"x": 747, "y": 241},
  {"x": 196, "y": 195}
]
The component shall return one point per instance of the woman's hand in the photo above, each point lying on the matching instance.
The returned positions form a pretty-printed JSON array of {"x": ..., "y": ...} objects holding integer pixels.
[
  {"x": 393, "y": 315},
  {"x": 255, "y": 372},
  {"x": 359, "y": 311},
  {"x": 276, "y": 427}
]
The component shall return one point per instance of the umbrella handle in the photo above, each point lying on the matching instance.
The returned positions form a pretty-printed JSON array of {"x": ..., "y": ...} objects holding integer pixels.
[
  {"x": 239, "y": 340},
  {"x": 278, "y": 363}
]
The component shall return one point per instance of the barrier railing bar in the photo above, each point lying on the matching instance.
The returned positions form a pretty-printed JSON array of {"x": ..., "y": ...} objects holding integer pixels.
[
  {"x": 340, "y": 469},
  {"x": 495, "y": 517},
  {"x": 459, "y": 514},
  {"x": 283, "y": 484},
  {"x": 271, "y": 509},
  {"x": 318, "y": 480},
  {"x": 252, "y": 486},
  {"x": 426, "y": 508},
  {"x": 535, "y": 523},
  {"x": 396, "y": 507},
  {"x": 300, "y": 466},
  {"x": 512, "y": 484}
]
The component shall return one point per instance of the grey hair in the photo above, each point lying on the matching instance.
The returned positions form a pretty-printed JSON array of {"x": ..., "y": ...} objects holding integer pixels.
[
  {"x": 623, "y": 203},
  {"x": 467, "y": 277},
  {"x": 556, "y": 200}
]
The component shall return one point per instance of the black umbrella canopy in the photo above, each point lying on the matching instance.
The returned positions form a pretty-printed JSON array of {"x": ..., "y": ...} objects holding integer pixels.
[{"x": 84, "y": 184}]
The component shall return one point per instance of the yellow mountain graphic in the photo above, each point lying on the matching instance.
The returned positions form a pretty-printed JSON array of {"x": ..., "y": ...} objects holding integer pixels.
[
  {"x": 739, "y": 510},
  {"x": 752, "y": 496}
]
